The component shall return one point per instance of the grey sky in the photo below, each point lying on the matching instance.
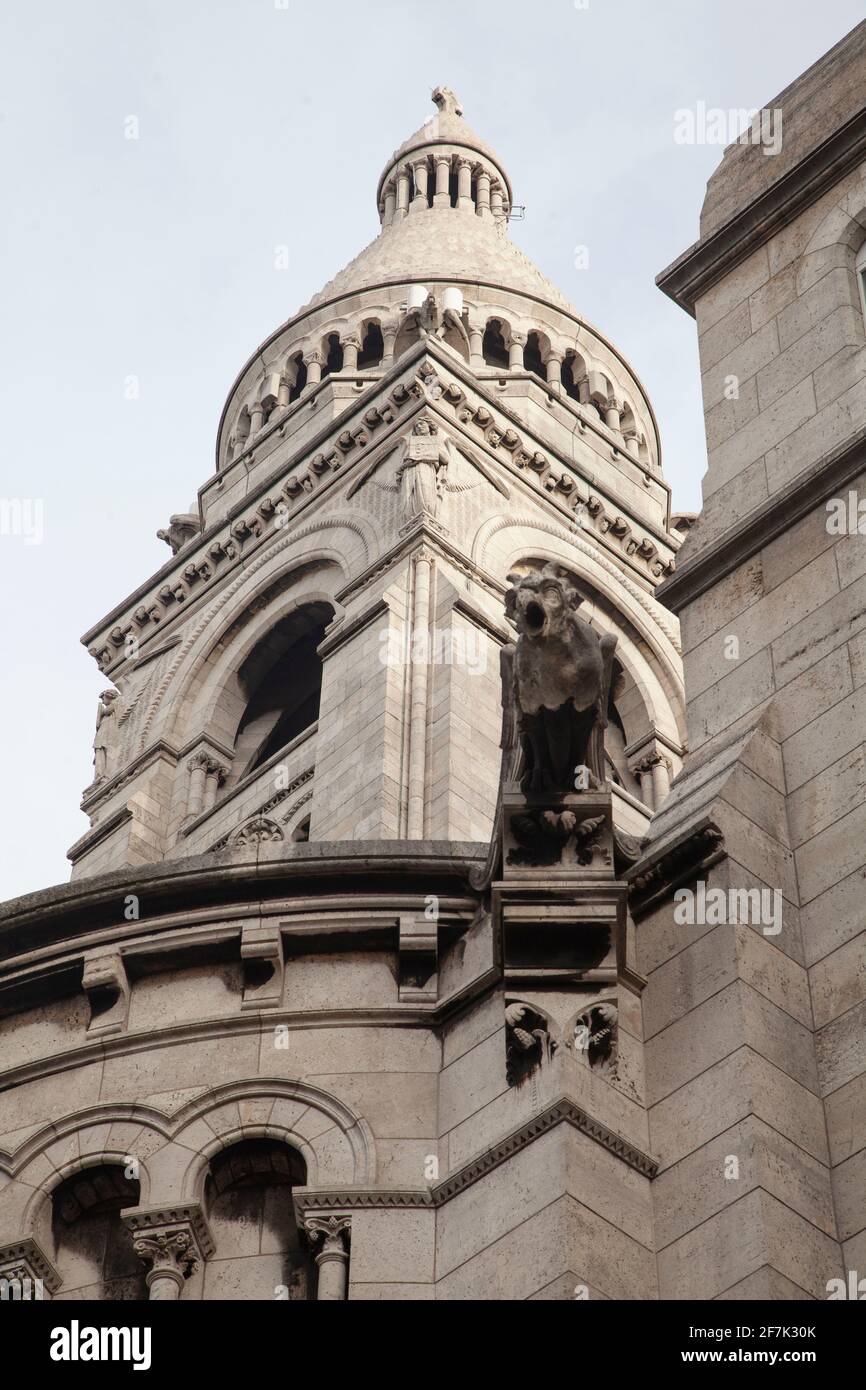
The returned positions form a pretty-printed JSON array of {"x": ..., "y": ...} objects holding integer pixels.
[{"x": 265, "y": 124}]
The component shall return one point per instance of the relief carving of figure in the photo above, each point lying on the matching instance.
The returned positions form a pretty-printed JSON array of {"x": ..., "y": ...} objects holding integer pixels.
[
  {"x": 422, "y": 475},
  {"x": 104, "y": 744}
]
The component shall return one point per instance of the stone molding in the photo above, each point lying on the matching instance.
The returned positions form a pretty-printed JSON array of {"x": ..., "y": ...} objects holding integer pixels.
[
  {"x": 709, "y": 260},
  {"x": 562, "y": 1111},
  {"x": 771, "y": 519},
  {"x": 655, "y": 878},
  {"x": 25, "y": 1259}
]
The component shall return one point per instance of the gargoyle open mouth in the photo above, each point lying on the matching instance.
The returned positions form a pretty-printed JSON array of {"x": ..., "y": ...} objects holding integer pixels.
[{"x": 534, "y": 619}]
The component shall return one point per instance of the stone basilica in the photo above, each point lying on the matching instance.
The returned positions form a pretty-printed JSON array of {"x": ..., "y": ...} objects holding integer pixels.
[{"x": 370, "y": 981}]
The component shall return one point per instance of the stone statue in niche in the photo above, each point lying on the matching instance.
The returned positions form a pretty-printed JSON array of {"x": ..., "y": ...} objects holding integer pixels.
[
  {"x": 595, "y": 1033},
  {"x": 528, "y": 1044},
  {"x": 104, "y": 744},
  {"x": 559, "y": 684}
]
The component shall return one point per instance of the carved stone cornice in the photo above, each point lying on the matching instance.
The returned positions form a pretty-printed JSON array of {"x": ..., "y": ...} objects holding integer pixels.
[
  {"x": 656, "y": 876},
  {"x": 826, "y": 478},
  {"x": 713, "y": 257},
  {"x": 23, "y": 1260},
  {"x": 562, "y": 1111}
]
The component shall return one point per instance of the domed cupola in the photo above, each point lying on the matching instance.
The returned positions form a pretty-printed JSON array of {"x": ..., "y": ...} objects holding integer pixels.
[{"x": 444, "y": 165}]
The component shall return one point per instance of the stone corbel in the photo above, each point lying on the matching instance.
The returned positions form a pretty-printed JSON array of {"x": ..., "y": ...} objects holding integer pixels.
[
  {"x": 26, "y": 1273},
  {"x": 329, "y": 1234},
  {"x": 418, "y": 947},
  {"x": 173, "y": 1242},
  {"x": 106, "y": 984},
  {"x": 263, "y": 965}
]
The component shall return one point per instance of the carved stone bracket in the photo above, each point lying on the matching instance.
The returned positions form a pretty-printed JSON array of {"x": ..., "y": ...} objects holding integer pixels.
[
  {"x": 264, "y": 965},
  {"x": 418, "y": 947},
  {"x": 106, "y": 985},
  {"x": 25, "y": 1272},
  {"x": 655, "y": 877},
  {"x": 172, "y": 1241}
]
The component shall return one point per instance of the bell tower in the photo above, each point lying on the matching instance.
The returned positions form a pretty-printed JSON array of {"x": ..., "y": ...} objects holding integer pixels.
[{"x": 322, "y": 933}]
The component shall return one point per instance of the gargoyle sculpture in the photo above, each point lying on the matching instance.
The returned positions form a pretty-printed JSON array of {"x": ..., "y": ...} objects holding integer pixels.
[{"x": 560, "y": 682}]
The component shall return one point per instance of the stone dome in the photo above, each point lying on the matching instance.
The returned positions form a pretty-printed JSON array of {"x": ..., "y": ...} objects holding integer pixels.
[{"x": 440, "y": 246}]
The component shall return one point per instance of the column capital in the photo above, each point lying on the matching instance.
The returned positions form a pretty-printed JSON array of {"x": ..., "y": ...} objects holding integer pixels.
[
  {"x": 26, "y": 1272},
  {"x": 334, "y": 1232},
  {"x": 173, "y": 1241}
]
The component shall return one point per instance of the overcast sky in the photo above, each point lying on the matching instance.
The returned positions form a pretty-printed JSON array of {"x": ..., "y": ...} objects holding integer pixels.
[{"x": 265, "y": 123}]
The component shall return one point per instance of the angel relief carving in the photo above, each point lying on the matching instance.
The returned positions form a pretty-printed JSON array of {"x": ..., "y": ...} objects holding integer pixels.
[{"x": 422, "y": 475}]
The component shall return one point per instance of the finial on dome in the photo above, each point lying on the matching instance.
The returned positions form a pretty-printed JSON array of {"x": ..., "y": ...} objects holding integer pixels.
[{"x": 447, "y": 101}]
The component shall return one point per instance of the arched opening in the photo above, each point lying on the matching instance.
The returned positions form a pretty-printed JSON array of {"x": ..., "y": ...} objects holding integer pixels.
[
  {"x": 493, "y": 347},
  {"x": 259, "y": 1252},
  {"x": 532, "y": 359},
  {"x": 333, "y": 350},
  {"x": 300, "y": 376},
  {"x": 372, "y": 348},
  {"x": 93, "y": 1250},
  {"x": 572, "y": 371},
  {"x": 282, "y": 681},
  {"x": 301, "y": 833}
]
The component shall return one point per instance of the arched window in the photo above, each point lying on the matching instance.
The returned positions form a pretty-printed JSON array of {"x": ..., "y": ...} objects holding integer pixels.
[
  {"x": 532, "y": 360},
  {"x": 372, "y": 347},
  {"x": 258, "y": 1250},
  {"x": 300, "y": 376},
  {"x": 93, "y": 1250},
  {"x": 572, "y": 371},
  {"x": 333, "y": 349},
  {"x": 282, "y": 680},
  {"x": 493, "y": 348}
]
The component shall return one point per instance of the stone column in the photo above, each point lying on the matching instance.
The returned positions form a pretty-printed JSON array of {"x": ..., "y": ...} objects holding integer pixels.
[
  {"x": 197, "y": 772},
  {"x": 215, "y": 776},
  {"x": 661, "y": 779},
  {"x": 173, "y": 1241},
  {"x": 283, "y": 393},
  {"x": 390, "y": 203},
  {"x": 483, "y": 208},
  {"x": 553, "y": 369},
  {"x": 442, "y": 196},
  {"x": 632, "y": 443},
  {"x": 402, "y": 193},
  {"x": 419, "y": 202},
  {"x": 314, "y": 362},
  {"x": 612, "y": 414},
  {"x": 332, "y": 1259},
  {"x": 476, "y": 345},
  {"x": 496, "y": 201},
  {"x": 257, "y": 416},
  {"x": 464, "y": 183},
  {"x": 419, "y": 641},
  {"x": 515, "y": 352},
  {"x": 351, "y": 347},
  {"x": 389, "y": 337}
]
